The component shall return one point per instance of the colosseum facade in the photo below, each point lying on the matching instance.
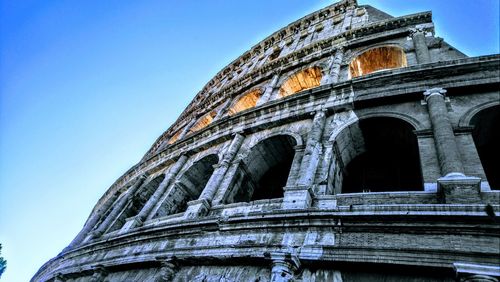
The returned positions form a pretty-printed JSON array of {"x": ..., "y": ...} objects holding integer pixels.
[{"x": 349, "y": 145}]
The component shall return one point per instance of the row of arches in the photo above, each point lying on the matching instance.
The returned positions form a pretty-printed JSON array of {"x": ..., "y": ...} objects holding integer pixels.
[
  {"x": 373, "y": 154},
  {"x": 370, "y": 61}
]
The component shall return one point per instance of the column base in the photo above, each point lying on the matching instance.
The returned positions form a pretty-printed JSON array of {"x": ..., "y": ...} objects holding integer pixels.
[
  {"x": 297, "y": 197},
  {"x": 197, "y": 208},
  {"x": 455, "y": 188}
]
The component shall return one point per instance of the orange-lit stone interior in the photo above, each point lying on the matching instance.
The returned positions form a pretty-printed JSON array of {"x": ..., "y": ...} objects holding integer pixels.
[
  {"x": 377, "y": 59},
  {"x": 203, "y": 121},
  {"x": 175, "y": 137},
  {"x": 246, "y": 101},
  {"x": 302, "y": 80}
]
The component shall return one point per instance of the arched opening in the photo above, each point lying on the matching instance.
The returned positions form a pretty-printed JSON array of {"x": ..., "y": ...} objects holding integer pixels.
[
  {"x": 388, "y": 160},
  {"x": 302, "y": 80},
  {"x": 138, "y": 201},
  {"x": 486, "y": 135},
  {"x": 174, "y": 137},
  {"x": 264, "y": 172},
  {"x": 377, "y": 59},
  {"x": 247, "y": 101},
  {"x": 188, "y": 186},
  {"x": 203, "y": 121}
]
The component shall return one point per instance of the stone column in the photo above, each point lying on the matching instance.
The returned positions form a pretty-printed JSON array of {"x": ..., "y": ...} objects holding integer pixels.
[
  {"x": 448, "y": 154},
  {"x": 294, "y": 169},
  {"x": 200, "y": 206},
  {"x": 269, "y": 90},
  {"x": 299, "y": 196},
  {"x": 310, "y": 159},
  {"x": 186, "y": 128},
  {"x": 332, "y": 70},
  {"x": 118, "y": 207},
  {"x": 99, "y": 274},
  {"x": 454, "y": 186},
  {"x": 284, "y": 267},
  {"x": 151, "y": 203},
  {"x": 469, "y": 272},
  {"x": 421, "y": 49}
]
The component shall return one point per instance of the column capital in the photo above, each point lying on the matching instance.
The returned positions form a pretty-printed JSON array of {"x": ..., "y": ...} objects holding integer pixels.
[
  {"x": 284, "y": 266},
  {"x": 434, "y": 91},
  {"x": 99, "y": 272},
  {"x": 168, "y": 268}
]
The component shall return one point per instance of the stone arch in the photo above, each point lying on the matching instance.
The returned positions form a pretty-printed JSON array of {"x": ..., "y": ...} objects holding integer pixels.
[
  {"x": 263, "y": 171},
  {"x": 203, "y": 121},
  {"x": 245, "y": 101},
  {"x": 465, "y": 119},
  {"x": 174, "y": 137},
  {"x": 303, "y": 79},
  {"x": 377, "y": 58},
  {"x": 486, "y": 137},
  {"x": 377, "y": 154},
  {"x": 258, "y": 139},
  {"x": 139, "y": 199},
  {"x": 417, "y": 125},
  {"x": 188, "y": 185}
]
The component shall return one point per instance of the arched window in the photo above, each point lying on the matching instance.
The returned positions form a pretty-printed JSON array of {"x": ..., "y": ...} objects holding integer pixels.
[
  {"x": 174, "y": 137},
  {"x": 302, "y": 80},
  {"x": 386, "y": 157},
  {"x": 188, "y": 186},
  {"x": 377, "y": 59},
  {"x": 203, "y": 121},
  {"x": 264, "y": 172},
  {"x": 246, "y": 101},
  {"x": 486, "y": 138},
  {"x": 138, "y": 202}
]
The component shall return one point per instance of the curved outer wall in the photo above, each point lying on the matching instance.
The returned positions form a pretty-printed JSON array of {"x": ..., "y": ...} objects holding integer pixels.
[{"x": 310, "y": 177}]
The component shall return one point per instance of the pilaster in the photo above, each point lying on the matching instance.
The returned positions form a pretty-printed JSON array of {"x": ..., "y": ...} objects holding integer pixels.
[
  {"x": 269, "y": 90},
  {"x": 421, "y": 49},
  {"x": 201, "y": 206},
  {"x": 99, "y": 273}
]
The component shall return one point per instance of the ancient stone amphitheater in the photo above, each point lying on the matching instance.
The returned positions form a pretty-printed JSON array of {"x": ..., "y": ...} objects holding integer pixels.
[{"x": 349, "y": 145}]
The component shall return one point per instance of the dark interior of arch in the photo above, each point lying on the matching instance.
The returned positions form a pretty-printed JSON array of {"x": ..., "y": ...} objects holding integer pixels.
[
  {"x": 191, "y": 183},
  {"x": 390, "y": 161},
  {"x": 486, "y": 135},
  {"x": 138, "y": 201},
  {"x": 264, "y": 172}
]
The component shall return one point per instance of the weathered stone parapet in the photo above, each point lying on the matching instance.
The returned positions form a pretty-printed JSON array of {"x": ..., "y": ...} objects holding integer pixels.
[
  {"x": 444, "y": 138},
  {"x": 468, "y": 272},
  {"x": 284, "y": 266}
]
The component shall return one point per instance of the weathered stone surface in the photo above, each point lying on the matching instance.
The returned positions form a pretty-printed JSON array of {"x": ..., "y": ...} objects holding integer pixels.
[{"x": 301, "y": 187}]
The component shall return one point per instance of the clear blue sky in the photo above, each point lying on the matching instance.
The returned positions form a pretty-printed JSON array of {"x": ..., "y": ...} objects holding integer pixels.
[{"x": 87, "y": 86}]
